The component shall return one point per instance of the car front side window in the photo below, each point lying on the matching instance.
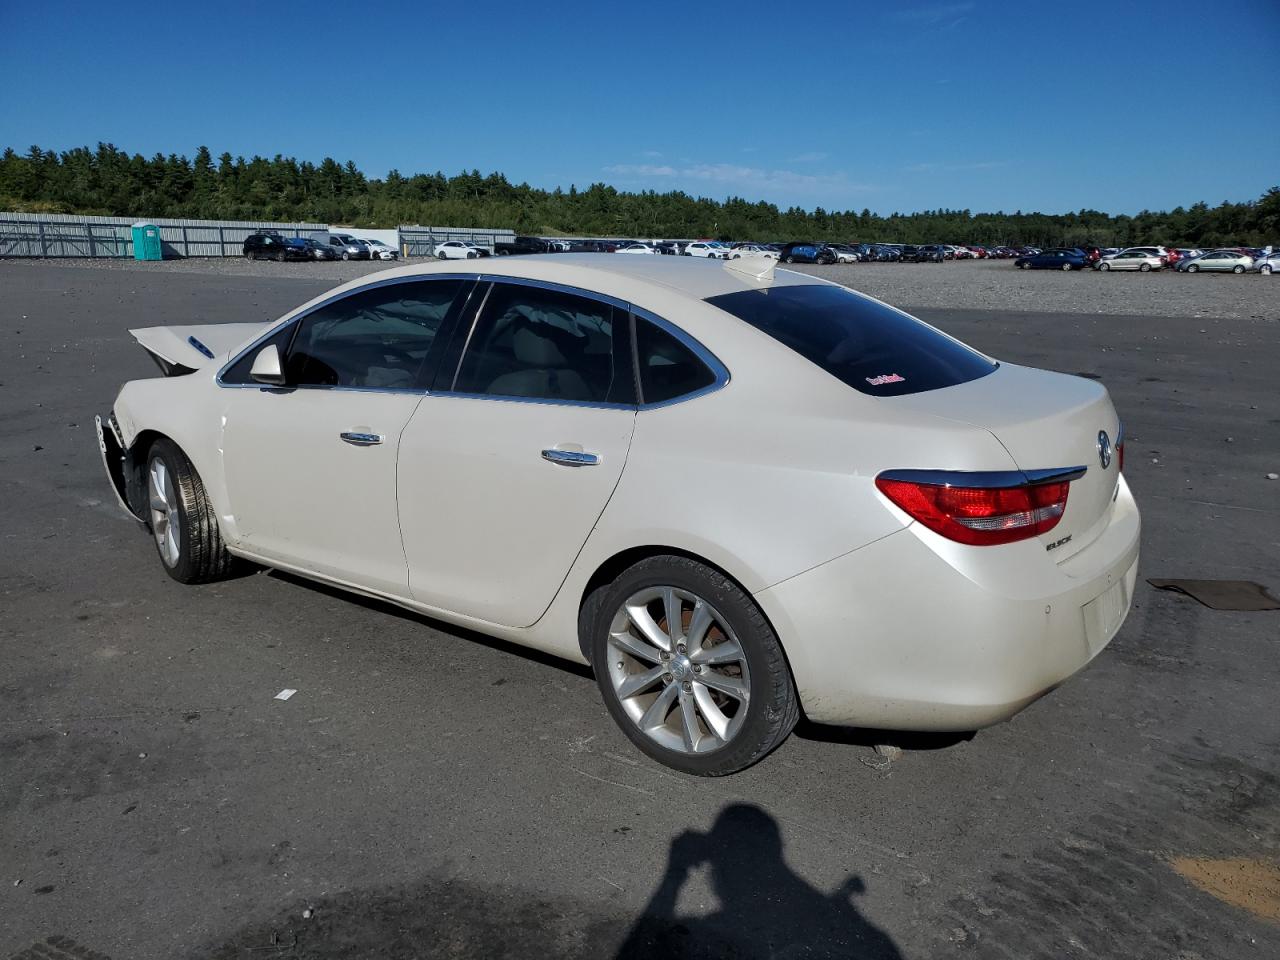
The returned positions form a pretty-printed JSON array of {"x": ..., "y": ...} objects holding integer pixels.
[
  {"x": 537, "y": 343},
  {"x": 374, "y": 339}
]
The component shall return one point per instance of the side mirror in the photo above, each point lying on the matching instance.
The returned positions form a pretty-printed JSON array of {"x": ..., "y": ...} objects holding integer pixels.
[{"x": 267, "y": 368}]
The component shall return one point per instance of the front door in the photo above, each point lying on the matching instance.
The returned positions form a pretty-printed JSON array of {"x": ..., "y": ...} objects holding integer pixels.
[
  {"x": 506, "y": 466},
  {"x": 310, "y": 468}
]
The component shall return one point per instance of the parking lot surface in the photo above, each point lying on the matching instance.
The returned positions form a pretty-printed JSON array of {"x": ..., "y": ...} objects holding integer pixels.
[{"x": 429, "y": 792}]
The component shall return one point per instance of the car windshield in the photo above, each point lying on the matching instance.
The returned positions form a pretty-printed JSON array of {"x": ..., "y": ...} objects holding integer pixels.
[{"x": 869, "y": 346}]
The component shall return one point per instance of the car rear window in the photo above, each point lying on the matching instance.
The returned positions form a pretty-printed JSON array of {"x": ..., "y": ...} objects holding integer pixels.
[{"x": 867, "y": 345}]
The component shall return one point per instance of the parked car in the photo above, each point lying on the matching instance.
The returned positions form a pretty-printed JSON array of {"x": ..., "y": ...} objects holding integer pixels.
[
  {"x": 1059, "y": 259},
  {"x": 933, "y": 509},
  {"x": 740, "y": 250},
  {"x": 315, "y": 250},
  {"x": 1091, "y": 253},
  {"x": 1160, "y": 252},
  {"x": 706, "y": 248},
  {"x": 844, "y": 253},
  {"x": 952, "y": 252},
  {"x": 980, "y": 253},
  {"x": 1131, "y": 260},
  {"x": 380, "y": 251},
  {"x": 456, "y": 250},
  {"x": 271, "y": 245},
  {"x": 806, "y": 251},
  {"x": 931, "y": 253},
  {"x": 640, "y": 248},
  {"x": 348, "y": 247},
  {"x": 521, "y": 245},
  {"x": 1217, "y": 261},
  {"x": 1267, "y": 263}
]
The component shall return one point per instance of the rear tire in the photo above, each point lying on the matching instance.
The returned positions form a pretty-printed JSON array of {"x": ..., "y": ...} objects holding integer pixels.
[
  {"x": 181, "y": 518},
  {"x": 1265, "y": 269},
  {"x": 1238, "y": 268},
  {"x": 1145, "y": 268},
  {"x": 688, "y": 688}
]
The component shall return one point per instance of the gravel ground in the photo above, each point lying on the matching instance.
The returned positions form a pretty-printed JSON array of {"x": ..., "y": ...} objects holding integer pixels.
[
  {"x": 964, "y": 285},
  {"x": 430, "y": 793}
]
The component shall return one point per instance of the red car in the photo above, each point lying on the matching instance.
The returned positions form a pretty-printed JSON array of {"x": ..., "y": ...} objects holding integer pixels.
[{"x": 980, "y": 252}]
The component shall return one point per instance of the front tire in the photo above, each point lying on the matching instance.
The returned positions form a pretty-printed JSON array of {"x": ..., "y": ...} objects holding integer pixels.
[
  {"x": 710, "y": 696},
  {"x": 1104, "y": 266},
  {"x": 1194, "y": 268},
  {"x": 182, "y": 521}
]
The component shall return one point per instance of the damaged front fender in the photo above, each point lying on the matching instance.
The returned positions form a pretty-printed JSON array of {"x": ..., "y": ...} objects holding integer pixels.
[{"x": 122, "y": 472}]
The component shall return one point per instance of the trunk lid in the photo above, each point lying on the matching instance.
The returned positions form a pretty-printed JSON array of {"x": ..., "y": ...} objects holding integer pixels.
[
  {"x": 181, "y": 350},
  {"x": 1046, "y": 421}
]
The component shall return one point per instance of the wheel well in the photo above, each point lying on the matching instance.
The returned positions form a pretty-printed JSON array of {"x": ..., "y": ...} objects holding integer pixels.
[
  {"x": 135, "y": 469},
  {"x": 609, "y": 571}
]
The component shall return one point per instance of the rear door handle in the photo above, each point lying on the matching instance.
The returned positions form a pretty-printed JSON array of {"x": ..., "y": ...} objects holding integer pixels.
[
  {"x": 571, "y": 458},
  {"x": 361, "y": 439}
]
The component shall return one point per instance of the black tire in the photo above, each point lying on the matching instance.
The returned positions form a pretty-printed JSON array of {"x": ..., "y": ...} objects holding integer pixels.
[
  {"x": 1238, "y": 268},
  {"x": 249, "y": 255},
  {"x": 202, "y": 556},
  {"x": 1194, "y": 268},
  {"x": 280, "y": 257},
  {"x": 789, "y": 260},
  {"x": 773, "y": 707},
  {"x": 1104, "y": 266},
  {"x": 1145, "y": 268},
  {"x": 346, "y": 255}
]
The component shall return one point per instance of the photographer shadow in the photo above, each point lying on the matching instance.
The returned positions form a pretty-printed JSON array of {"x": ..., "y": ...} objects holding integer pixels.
[{"x": 765, "y": 910}]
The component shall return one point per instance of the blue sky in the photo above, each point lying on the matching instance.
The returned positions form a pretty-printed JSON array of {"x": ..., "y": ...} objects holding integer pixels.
[{"x": 892, "y": 106}]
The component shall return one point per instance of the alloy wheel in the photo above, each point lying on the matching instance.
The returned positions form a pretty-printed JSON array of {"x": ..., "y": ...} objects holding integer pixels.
[
  {"x": 678, "y": 670},
  {"x": 166, "y": 523}
]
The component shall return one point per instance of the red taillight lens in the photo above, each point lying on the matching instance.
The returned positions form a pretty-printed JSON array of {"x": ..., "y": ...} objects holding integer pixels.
[{"x": 981, "y": 516}]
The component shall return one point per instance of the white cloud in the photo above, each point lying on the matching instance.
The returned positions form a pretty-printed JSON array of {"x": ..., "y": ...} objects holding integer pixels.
[
  {"x": 752, "y": 182},
  {"x": 955, "y": 167},
  {"x": 652, "y": 154}
]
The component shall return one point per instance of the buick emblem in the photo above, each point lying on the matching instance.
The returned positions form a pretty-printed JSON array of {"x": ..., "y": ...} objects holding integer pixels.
[{"x": 1104, "y": 449}]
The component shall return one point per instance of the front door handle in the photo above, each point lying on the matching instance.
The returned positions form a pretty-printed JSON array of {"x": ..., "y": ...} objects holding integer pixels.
[
  {"x": 361, "y": 439},
  {"x": 571, "y": 458}
]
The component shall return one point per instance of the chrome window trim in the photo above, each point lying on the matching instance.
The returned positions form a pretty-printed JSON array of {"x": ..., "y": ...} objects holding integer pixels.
[
  {"x": 287, "y": 320},
  {"x": 986, "y": 479},
  {"x": 718, "y": 369},
  {"x": 712, "y": 362}
]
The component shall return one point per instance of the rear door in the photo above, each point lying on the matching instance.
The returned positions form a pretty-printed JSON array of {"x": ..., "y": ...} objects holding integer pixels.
[{"x": 510, "y": 460}]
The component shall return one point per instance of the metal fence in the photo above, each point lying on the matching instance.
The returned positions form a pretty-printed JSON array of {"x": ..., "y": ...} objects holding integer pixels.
[
  {"x": 54, "y": 235},
  {"x": 418, "y": 241}
]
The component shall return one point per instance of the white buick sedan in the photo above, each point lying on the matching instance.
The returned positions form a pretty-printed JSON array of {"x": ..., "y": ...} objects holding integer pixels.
[{"x": 738, "y": 495}]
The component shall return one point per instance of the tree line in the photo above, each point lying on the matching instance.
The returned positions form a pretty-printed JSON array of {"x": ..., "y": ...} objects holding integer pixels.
[{"x": 108, "y": 181}]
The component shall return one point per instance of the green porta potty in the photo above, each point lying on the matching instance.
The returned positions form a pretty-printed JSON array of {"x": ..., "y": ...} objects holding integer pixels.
[{"x": 146, "y": 242}]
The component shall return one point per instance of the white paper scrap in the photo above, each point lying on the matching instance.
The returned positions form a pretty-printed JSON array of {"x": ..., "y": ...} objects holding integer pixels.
[{"x": 285, "y": 694}]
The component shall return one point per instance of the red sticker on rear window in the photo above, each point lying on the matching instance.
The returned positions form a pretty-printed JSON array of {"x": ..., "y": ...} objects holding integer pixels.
[{"x": 884, "y": 378}]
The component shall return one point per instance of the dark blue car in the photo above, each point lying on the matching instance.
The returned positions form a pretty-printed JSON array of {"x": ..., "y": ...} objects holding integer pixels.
[
  {"x": 803, "y": 251},
  {"x": 1058, "y": 259}
]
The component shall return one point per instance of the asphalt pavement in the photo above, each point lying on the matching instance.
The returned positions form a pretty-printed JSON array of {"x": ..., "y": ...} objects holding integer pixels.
[{"x": 430, "y": 792}]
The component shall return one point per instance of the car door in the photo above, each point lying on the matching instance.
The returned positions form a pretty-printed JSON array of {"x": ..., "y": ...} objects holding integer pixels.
[
  {"x": 510, "y": 460},
  {"x": 310, "y": 467}
]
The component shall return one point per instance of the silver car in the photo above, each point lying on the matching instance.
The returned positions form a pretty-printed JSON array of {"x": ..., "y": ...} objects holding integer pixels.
[
  {"x": 1268, "y": 263},
  {"x": 1221, "y": 261},
  {"x": 1138, "y": 259}
]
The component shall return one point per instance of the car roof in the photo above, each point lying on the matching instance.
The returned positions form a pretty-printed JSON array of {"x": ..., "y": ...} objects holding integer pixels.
[{"x": 692, "y": 276}]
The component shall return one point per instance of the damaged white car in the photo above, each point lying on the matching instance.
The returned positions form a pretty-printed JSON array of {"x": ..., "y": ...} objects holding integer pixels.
[{"x": 738, "y": 495}]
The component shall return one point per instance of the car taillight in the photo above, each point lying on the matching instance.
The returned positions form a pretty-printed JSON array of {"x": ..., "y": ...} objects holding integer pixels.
[{"x": 980, "y": 516}]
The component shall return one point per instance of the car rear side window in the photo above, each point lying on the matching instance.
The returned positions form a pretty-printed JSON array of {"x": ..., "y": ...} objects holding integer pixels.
[
  {"x": 543, "y": 344},
  {"x": 668, "y": 368},
  {"x": 869, "y": 346}
]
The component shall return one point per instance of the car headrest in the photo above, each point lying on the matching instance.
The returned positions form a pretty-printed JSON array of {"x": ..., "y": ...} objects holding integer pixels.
[{"x": 536, "y": 350}]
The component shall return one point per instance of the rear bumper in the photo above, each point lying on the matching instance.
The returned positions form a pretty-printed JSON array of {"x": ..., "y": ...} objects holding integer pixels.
[{"x": 916, "y": 633}]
